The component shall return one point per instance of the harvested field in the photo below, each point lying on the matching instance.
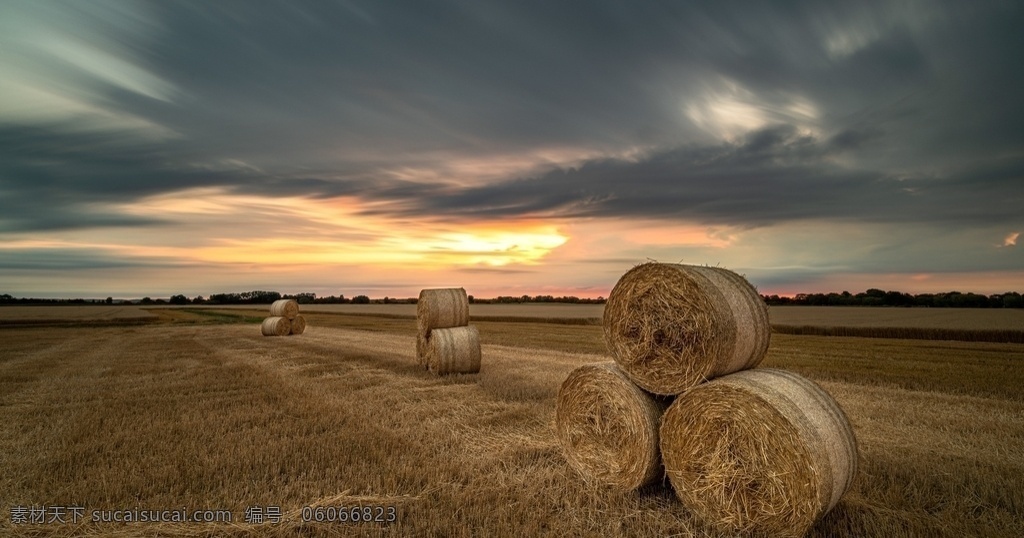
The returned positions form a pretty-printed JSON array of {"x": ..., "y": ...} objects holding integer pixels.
[
  {"x": 883, "y": 320},
  {"x": 924, "y": 318},
  {"x": 218, "y": 417},
  {"x": 67, "y": 315}
]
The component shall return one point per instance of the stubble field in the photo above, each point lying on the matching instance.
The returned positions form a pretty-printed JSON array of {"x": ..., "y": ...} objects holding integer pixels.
[{"x": 198, "y": 411}]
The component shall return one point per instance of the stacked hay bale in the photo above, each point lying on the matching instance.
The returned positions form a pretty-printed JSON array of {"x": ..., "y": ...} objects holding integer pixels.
[
  {"x": 445, "y": 341},
  {"x": 284, "y": 319},
  {"x": 747, "y": 451}
]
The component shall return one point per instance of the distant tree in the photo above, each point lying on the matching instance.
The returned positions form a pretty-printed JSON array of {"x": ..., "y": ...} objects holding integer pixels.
[
  {"x": 146, "y": 300},
  {"x": 360, "y": 299},
  {"x": 198, "y": 300},
  {"x": 110, "y": 300},
  {"x": 304, "y": 298},
  {"x": 471, "y": 299},
  {"x": 178, "y": 299}
]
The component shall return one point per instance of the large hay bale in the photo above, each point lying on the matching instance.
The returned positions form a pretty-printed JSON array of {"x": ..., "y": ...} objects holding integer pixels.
[
  {"x": 298, "y": 325},
  {"x": 670, "y": 327},
  {"x": 762, "y": 451},
  {"x": 455, "y": 350},
  {"x": 287, "y": 308},
  {"x": 442, "y": 308},
  {"x": 608, "y": 427},
  {"x": 276, "y": 326}
]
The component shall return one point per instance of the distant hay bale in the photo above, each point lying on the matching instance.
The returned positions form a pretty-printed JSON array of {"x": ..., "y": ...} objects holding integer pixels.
[
  {"x": 298, "y": 325},
  {"x": 438, "y": 308},
  {"x": 287, "y": 308},
  {"x": 608, "y": 427},
  {"x": 670, "y": 327},
  {"x": 442, "y": 308},
  {"x": 276, "y": 326},
  {"x": 761, "y": 451},
  {"x": 455, "y": 350}
]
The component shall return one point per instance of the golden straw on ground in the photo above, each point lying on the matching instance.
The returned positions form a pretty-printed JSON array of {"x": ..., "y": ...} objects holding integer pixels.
[
  {"x": 762, "y": 451},
  {"x": 608, "y": 427},
  {"x": 275, "y": 326},
  {"x": 455, "y": 350},
  {"x": 670, "y": 327},
  {"x": 287, "y": 308}
]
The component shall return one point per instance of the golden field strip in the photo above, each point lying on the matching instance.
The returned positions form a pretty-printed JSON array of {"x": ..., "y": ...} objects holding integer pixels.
[
  {"x": 1001, "y": 319},
  {"x": 199, "y": 411},
  {"x": 825, "y": 316}
]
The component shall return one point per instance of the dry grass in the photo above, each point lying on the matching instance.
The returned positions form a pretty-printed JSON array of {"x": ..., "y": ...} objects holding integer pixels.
[
  {"x": 902, "y": 318},
  {"x": 72, "y": 312},
  {"x": 219, "y": 417},
  {"x": 818, "y": 316},
  {"x": 1010, "y": 336}
]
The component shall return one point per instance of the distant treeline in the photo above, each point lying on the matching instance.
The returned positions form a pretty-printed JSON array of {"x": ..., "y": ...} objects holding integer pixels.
[
  {"x": 871, "y": 297},
  {"x": 877, "y": 297}
]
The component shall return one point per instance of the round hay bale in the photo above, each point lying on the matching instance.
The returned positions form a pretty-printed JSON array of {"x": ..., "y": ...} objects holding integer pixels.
[
  {"x": 441, "y": 308},
  {"x": 608, "y": 427},
  {"x": 762, "y": 451},
  {"x": 287, "y": 308},
  {"x": 670, "y": 327},
  {"x": 276, "y": 326},
  {"x": 298, "y": 325},
  {"x": 455, "y": 350}
]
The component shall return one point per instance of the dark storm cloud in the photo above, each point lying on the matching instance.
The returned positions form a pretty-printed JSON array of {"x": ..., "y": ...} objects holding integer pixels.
[
  {"x": 64, "y": 259},
  {"x": 775, "y": 175},
  {"x": 916, "y": 108}
]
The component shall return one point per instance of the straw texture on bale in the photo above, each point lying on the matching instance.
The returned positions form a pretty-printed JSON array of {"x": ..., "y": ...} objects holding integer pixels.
[
  {"x": 422, "y": 342},
  {"x": 441, "y": 308},
  {"x": 287, "y": 308},
  {"x": 762, "y": 451},
  {"x": 608, "y": 427},
  {"x": 670, "y": 326},
  {"x": 276, "y": 326},
  {"x": 455, "y": 350},
  {"x": 298, "y": 325}
]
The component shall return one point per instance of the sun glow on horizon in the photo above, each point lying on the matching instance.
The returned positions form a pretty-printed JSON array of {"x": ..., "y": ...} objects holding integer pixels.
[{"x": 230, "y": 228}]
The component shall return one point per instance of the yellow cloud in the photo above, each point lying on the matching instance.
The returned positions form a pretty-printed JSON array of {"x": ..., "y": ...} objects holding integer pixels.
[
  {"x": 1011, "y": 239},
  {"x": 290, "y": 231}
]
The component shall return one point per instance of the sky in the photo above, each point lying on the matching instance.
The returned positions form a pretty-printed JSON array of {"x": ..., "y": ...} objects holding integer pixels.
[{"x": 367, "y": 147}]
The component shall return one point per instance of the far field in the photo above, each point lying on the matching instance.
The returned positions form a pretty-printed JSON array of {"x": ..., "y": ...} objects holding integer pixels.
[
  {"x": 197, "y": 410},
  {"x": 1005, "y": 319}
]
